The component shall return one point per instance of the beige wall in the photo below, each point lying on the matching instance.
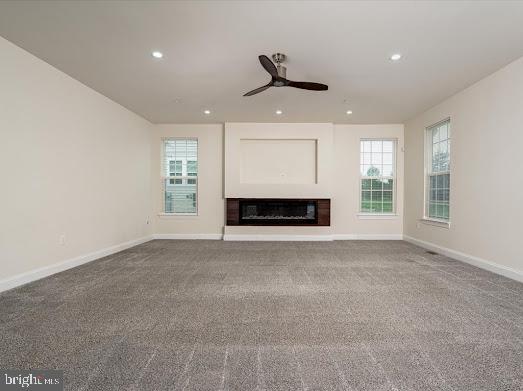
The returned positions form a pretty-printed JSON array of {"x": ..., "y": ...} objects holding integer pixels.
[
  {"x": 343, "y": 164},
  {"x": 346, "y": 178},
  {"x": 486, "y": 171},
  {"x": 211, "y": 205},
  {"x": 72, "y": 162},
  {"x": 344, "y": 144}
]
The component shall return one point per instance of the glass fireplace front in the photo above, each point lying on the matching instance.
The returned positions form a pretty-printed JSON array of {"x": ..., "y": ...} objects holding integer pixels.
[{"x": 278, "y": 212}]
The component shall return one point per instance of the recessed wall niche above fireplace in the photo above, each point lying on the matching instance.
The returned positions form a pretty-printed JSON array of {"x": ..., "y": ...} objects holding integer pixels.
[{"x": 278, "y": 211}]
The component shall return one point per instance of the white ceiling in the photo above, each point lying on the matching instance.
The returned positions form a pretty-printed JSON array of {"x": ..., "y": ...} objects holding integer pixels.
[{"x": 211, "y": 49}]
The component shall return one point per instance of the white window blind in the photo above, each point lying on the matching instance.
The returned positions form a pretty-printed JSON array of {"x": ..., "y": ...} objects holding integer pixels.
[
  {"x": 378, "y": 172},
  {"x": 180, "y": 176},
  {"x": 437, "y": 198}
]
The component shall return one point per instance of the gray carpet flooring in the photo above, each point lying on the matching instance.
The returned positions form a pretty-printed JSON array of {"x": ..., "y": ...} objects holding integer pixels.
[{"x": 213, "y": 315}]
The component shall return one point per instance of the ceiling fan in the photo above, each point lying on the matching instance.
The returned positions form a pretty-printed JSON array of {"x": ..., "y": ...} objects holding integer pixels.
[{"x": 278, "y": 76}]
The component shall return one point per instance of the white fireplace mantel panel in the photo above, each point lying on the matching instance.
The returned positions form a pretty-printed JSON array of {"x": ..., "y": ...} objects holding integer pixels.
[{"x": 278, "y": 160}]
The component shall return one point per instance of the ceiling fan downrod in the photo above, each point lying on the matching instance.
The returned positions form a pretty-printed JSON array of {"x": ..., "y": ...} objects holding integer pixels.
[{"x": 278, "y": 58}]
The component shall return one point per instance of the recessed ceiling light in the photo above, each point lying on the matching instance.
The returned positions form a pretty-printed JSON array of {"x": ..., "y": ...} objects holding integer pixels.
[
  {"x": 349, "y": 112},
  {"x": 157, "y": 54},
  {"x": 395, "y": 57},
  {"x": 207, "y": 112},
  {"x": 279, "y": 112}
]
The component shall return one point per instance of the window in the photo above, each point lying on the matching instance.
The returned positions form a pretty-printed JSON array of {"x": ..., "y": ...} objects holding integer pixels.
[
  {"x": 438, "y": 171},
  {"x": 180, "y": 176},
  {"x": 377, "y": 169}
]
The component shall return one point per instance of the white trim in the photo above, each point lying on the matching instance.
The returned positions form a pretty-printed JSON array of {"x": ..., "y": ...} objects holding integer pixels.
[
  {"x": 435, "y": 223},
  {"x": 33, "y": 275},
  {"x": 377, "y": 216},
  {"x": 164, "y": 215},
  {"x": 438, "y": 123},
  {"x": 288, "y": 238},
  {"x": 188, "y": 236},
  {"x": 368, "y": 237},
  {"x": 470, "y": 259},
  {"x": 344, "y": 237},
  {"x": 379, "y": 237},
  {"x": 311, "y": 238}
]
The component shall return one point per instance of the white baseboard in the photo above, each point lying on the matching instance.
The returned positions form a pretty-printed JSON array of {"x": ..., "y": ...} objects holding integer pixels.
[
  {"x": 303, "y": 238},
  {"x": 42, "y": 272},
  {"x": 368, "y": 237},
  {"x": 189, "y": 236},
  {"x": 470, "y": 259},
  {"x": 276, "y": 238},
  {"x": 33, "y": 275}
]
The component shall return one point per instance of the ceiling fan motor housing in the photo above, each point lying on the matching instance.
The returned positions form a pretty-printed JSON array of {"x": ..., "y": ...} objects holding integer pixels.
[{"x": 278, "y": 57}]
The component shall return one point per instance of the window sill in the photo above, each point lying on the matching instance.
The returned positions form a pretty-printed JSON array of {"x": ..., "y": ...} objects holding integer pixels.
[
  {"x": 377, "y": 216},
  {"x": 164, "y": 215},
  {"x": 435, "y": 223}
]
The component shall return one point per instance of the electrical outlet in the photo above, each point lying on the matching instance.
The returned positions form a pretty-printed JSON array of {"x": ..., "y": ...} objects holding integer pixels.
[
  {"x": 61, "y": 240},
  {"x": 147, "y": 222}
]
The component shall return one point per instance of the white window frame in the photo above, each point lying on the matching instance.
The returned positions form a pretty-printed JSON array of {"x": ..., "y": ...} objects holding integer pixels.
[
  {"x": 183, "y": 177},
  {"x": 379, "y": 215},
  {"x": 427, "y": 173}
]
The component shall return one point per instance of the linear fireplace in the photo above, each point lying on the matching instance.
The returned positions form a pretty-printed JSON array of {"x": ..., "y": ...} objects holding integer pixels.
[{"x": 282, "y": 211}]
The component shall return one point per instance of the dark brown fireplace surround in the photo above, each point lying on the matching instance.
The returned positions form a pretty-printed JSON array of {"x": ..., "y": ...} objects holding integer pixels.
[{"x": 278, "y": 211}]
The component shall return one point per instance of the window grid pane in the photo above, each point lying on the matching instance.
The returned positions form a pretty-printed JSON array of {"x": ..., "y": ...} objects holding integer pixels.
[
  {"x": 440, "y": 156},
  {"x": 377, "y": 171},
  {"x": 180, "y": 198},
  {"x": 439, "y": 189}
]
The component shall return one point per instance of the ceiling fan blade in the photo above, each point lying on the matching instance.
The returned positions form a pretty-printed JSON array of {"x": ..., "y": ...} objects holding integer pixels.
[
  {"x": 258, "y": 90},
  {"x": 305, "y": 85},
  {"x": 268, "y": 65}
]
